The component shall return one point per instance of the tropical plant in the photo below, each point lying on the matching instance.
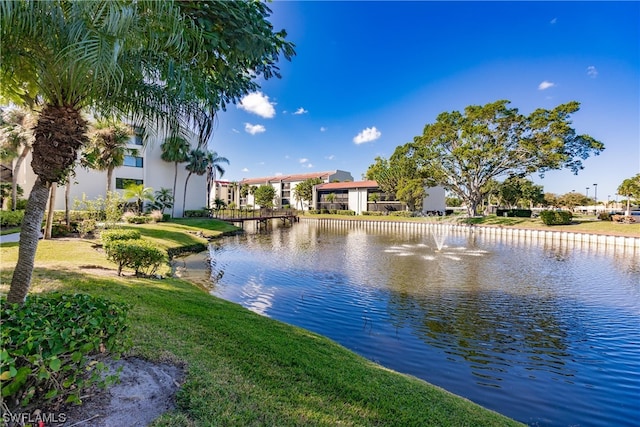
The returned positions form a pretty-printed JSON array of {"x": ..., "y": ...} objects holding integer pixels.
[
  {"x": 214, "y": 168},
  {"x": 16, "y": 138},
  {"x": 175, "y": 149},
  {"x": 140, "y": 193},
  {"x": 163, "y": 199},
  {"x": 462, "y": 152},
  {"x": 630, "y": 187},
  {"x": 107, "y": 147},
  {"x": 196, "y": 163},
  {"x": 304, "y": 190},
  {"x": 264, "y": 196},
  {"x": 141, "y": 59}
]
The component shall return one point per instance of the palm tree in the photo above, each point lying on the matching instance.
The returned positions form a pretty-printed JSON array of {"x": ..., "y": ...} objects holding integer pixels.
[
  {"x": 197, "y": 163},
  {"x": 103, "y": 57},
  {"x": 140, "y": 193},
  {"x": 175, "y": 149},
  {"x": 107, "y": 147},
  {"x": 213, "y": 166}
]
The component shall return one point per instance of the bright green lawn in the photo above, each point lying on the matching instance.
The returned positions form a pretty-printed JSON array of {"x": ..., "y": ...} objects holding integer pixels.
[{"x": 243, "y": 369}]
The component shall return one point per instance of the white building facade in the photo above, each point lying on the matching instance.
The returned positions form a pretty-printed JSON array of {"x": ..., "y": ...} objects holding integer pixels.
[{"x": 146, "y": 168}]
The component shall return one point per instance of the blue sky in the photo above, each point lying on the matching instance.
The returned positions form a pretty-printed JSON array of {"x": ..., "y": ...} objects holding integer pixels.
[{"x": 368, "y": 76}]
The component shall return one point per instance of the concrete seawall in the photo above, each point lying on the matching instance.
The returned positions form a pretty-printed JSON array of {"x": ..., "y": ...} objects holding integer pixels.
[{"x": 508, "y": 233}]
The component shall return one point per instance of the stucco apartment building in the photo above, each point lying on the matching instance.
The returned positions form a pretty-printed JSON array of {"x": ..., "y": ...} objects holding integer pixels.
[
  {"x": 146, "y": 168},
  {"x": 338, "y": 191}
]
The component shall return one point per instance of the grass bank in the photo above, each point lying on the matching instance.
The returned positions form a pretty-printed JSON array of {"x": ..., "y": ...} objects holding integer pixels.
[
  {"x": 242, "y": 368},
  {"x": 579, "y": 224}
]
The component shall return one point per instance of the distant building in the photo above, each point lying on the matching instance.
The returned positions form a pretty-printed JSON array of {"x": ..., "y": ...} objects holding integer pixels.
[
  {"x": 284, "y": 186},
  {"x": 363, "y": 196}
]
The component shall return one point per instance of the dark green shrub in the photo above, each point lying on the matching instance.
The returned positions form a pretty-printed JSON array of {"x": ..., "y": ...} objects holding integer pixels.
[
  {"x": 61, "y": 230},
  {"x": 142, "y": 256},
  {"x": 166, "y": 217},
  {"x": 109, "y": 236},
  {"x": 52, "y": 346},
  {"x": 200, "y": 213},
  {"x": 402, "y": 214},
  {"x": 137, "y": 219},
  {"x": 373, "y": 213},
  {"x": 556, "y": 217},
  {"x": 604, "y": 216},
  {"x": 11, "y": 218},
  {"x": 514, "y": 213}
]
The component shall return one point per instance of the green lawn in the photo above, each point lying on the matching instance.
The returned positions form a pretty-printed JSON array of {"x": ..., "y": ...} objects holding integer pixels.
[{"x": 242, "y": 368}]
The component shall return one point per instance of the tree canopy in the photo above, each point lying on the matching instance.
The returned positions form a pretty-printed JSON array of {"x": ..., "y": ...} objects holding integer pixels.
[
  {"x": 166, "y": 65},
  {"x": 464, "y": 151},
  {"x": 264, "y": 196},
  {"x": 304, "y": 190}
]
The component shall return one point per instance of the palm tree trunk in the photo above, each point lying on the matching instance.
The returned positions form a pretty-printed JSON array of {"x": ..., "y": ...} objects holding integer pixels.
[
  {"x": 67, "y": 196},
  {"x": 29, "y": 235},
  {"x": 109, "y": 178},
  {"x": 14, "y": 177},
  {"x": 50, "y": 211},
  {"x": 175, "y": 181},
  {"x": 184, "y": 196}
]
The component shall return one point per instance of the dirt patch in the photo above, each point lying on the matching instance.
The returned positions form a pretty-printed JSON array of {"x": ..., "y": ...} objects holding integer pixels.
[{"x": 146, "y": 390}]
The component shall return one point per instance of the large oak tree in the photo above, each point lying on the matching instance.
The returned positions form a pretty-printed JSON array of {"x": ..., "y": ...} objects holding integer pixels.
[
  {"x": 464, "y": 151},
  {"x": 161, "y": 64}
]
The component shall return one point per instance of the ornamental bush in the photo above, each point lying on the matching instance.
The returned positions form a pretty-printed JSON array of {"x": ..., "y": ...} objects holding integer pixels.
[
  {"x": 109, "y": 236},
  {"x": 140, "y": 255},
  {"x": 556, "y": 217},
  {"x": 11, "y": 218},
  {"x": 52, "y": 346}
]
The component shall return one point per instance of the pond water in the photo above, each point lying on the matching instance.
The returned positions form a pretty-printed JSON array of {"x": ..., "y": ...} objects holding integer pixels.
[{"x": 547, "y": 333}]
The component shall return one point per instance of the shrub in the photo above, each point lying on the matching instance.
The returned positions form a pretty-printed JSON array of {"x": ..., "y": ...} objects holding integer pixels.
[
  {"x": 373, "y": 213},
  {"x": 604, "y": 216},
  {"x": 346, "y": 212},
  {"x": 109, "y": 236},
  {"x": 200, "y": 213},
  {"x": 156, "y": 216},
  {"x": 137, "y": 219},
  {"x": 87, "y": 226},
  {"x": 11, "y": 218},
  {"x": 556, "y": 217},
  {"x": 517, "y": 213},
  {"x": 402, "y": 214},
  {"x": 140, "y": 255},
  {"x": 61, "y": 230},
  {"x": 52, "y": 345}
]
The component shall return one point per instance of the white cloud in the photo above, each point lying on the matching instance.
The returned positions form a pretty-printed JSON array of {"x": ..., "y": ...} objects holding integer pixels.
[
  {"x": 323, "y": 129},
  {"x": 309, "y": 165},
  {"x": 254, "y": 129},
  {"x": 367, "y": 135},
  {"x": 545, "y": 85},
  {"x": 592, "y": 71},
  {"x": 330, "y": 157},
  {"x": 553, "y": 21},
  {"x": 234, "y": 130},
  {"x": 245, "y": 170},
  {"x": 278, "y": 174},
  {"x": 300, "y": 111},
  {"x": 258, "y": 103},
  {"x": 303, "y": 160}
]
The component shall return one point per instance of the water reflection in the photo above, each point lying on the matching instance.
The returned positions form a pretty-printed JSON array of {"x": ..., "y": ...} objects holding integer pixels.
[{"x": 510, "y": 323}]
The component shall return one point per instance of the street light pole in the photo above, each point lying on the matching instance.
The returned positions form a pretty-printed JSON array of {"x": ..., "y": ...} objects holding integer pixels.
[
  {"x": 595, "y": 193},
  {"x": 587, "y": 194}
]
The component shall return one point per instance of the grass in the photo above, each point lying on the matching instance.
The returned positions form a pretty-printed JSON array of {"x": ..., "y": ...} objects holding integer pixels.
[
  {"x": 243, "y": 368},
  {"x": 580, "y": 224}
]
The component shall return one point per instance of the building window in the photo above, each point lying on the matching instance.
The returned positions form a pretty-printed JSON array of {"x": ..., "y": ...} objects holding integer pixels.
[
  {"x": 137, "y": 135},
  {"x": 122, "y": 183},
  {"x": 133, "y": 161}
]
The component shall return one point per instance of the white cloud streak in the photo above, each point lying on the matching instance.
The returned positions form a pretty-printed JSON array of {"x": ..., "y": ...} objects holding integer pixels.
[
  {"x": 258, "y": 103},
  {"x": 592, "y": 71},
  {"x": 254, "y": 129},
  {"x": 545, "y": 85},
  {"x": 367, "y": 135},
  {"x": 300, "y": 111}
]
